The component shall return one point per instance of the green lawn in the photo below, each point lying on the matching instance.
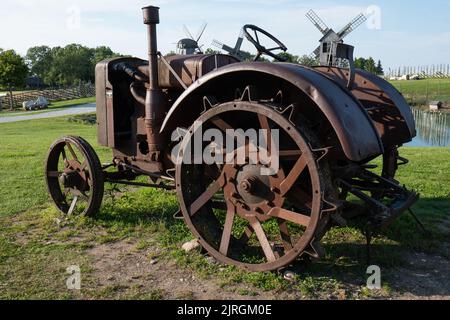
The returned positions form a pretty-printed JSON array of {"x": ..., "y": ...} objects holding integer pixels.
[
  {"x": 419, "y": 92},
  {"x": 34, "y": 250},
  {"x": 23, "y": 148}
]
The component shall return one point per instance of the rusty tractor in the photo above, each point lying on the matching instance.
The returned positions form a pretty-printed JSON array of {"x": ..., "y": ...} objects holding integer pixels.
[{"x": 330, "y": 124}]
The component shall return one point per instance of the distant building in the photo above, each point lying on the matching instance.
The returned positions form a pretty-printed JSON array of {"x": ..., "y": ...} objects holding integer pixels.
[{"x": 435, "y": 105}]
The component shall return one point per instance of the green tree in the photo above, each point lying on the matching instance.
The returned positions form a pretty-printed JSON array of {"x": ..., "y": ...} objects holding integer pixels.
[
  {"x": 170, "y": 53},
  {"x": 371, "y": 66},
  {"x": 74, "y": 63},
  {"x": 380, "y": 70},
  {"x": 102, "y": 53},
  {"x": 13, "y": 71},
  {"x": 308, "y": 61},
  {"x": 71, "y": 64},
  {"x": 212, "y": 51},
  {"x": 360, "y": 63},
  {"x": 39, "y": 60},
  {"x": 289, "y": 57}
]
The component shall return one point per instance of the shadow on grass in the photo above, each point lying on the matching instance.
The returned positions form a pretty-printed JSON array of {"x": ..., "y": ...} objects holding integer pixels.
[{"x": 346, "y": 259}]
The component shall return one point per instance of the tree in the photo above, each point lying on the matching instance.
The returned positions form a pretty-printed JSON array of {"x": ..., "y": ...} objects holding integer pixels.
[
  {"x": 74, "y": 63},
  {"x": 288, "y": 57},
  {"x": 360, "y": 63},
  {"x": 380, "y": 70},
  {"x": 102, "y": 53},
  {"x": 13, "y": 71},
  {"x": 170, "y": 53},
  {"x": 369, "y": 65},
  {"x": 212, "y": 51},
  {"x": 39, "y": 60},
  {"x": 308, "y": 61}
]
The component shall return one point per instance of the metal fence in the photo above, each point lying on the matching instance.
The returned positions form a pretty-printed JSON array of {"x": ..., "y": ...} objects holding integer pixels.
[
  {"x": 15, "y": 100},
  {"x": 428, "y": 71}
]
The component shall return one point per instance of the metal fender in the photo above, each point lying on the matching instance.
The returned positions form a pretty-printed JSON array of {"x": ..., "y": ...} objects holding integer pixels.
[
  {"x": 386, "y": 106},
  {"x": 354, "y": 128}
]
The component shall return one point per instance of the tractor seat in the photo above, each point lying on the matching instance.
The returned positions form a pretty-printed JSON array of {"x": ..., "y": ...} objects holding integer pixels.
[{"x": 190, "y": 67}]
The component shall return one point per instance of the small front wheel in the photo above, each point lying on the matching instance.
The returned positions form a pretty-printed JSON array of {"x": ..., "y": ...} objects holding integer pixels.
[{"x": 74, "y": 176}]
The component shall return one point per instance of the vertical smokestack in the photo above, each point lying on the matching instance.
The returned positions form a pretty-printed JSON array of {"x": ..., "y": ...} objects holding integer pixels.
[
  {"x": 151, "y": 19},
  {"x": 155, "y": 100}
]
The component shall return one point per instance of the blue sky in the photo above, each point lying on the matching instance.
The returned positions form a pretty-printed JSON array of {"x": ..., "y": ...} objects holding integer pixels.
[{"x": 410, "y": 33}]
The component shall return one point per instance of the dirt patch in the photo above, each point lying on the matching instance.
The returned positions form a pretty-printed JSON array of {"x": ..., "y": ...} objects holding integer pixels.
[
  {"x": 426, "y": 276},
  {"x": 120, "y": 264}
]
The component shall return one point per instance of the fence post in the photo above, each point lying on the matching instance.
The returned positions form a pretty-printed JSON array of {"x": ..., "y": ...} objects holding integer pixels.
[{"x": 11, "y": 100}]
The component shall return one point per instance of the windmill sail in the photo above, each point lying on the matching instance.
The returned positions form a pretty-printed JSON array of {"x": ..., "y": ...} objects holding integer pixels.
[
  {"x": 187, "y": 32},
  {"x": 352, "y": 25},
  {"x": 316, "y": 53},
  {"x": 200, "y": 31},
  {"x": 314, "y": 18},
  {"x": 233, "y": 51},
  {"x": 222, "y": 46}
]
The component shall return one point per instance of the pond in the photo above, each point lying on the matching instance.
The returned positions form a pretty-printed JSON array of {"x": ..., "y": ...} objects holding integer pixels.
[{"x": 433, "y": 129}]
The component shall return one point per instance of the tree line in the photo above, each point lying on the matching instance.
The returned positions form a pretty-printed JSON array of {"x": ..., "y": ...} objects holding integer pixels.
[
  {"x": 74, "y": 63},
  {"x": 57, "y": 66}
]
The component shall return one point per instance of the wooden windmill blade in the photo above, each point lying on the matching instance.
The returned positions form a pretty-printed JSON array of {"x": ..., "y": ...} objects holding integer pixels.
[
  {"x": 317, "y": 22},
  {"x": 233, "y": 51},
  {"x": 201, "y": 30},
  {"x": 352, "y": 25},
  {"x": 187, "y": 32}
]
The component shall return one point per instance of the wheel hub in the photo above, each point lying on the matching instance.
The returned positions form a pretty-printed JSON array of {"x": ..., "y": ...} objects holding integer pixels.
[
  {"x": 251, "y": 185},
  {"x": 74, "y": 176},
  {"x": 253, "y": 193}
]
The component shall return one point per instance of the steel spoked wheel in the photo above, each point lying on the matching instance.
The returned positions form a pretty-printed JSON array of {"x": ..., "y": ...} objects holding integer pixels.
[
  {"x": 241, "y": 213},
  {"x": 74, "y": 176}
]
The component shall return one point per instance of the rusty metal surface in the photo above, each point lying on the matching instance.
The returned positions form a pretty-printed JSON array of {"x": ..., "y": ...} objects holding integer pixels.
[
  {"x": 243, "y": 198},
  {"x": 353, "y": 126},
  {"x": 388, "y": 109},
  {"x": 190, "y": 68}
]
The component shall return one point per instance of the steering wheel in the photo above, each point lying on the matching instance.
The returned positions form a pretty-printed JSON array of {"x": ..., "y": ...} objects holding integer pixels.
[{"x": 261, "y": 49}]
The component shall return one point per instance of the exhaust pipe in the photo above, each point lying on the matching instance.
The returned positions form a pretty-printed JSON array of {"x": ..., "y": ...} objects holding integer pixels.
[{"x": 155, "y": 100}]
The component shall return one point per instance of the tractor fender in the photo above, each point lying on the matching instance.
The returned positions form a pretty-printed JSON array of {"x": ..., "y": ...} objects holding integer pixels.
[
  {"x": 396, "y": 98},
  {"x": 386, "y": 106},
  {"x": 353, "y": 127}
]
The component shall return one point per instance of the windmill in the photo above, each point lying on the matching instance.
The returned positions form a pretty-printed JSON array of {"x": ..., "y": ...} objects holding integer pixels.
[
  {"x": 190, "y": 44},
  {"x": 326, "y": 52},
  {"x": 234, "y": 51}
]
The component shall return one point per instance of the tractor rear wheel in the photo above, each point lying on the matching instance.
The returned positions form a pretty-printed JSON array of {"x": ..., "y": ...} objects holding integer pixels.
[{"x": 246, "y": 212}]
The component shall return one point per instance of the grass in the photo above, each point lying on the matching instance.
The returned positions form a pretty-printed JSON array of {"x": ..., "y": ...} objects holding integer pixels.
[
  {"x": 56, "y": 105},
  {"x": 23, "y": 149},
  {"x": 36, "y": 248},
  {"x": 420, "y": 92}
]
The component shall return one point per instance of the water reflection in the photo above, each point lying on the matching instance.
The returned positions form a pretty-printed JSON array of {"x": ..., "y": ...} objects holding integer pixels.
[{"x": 433, "y": 128}]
